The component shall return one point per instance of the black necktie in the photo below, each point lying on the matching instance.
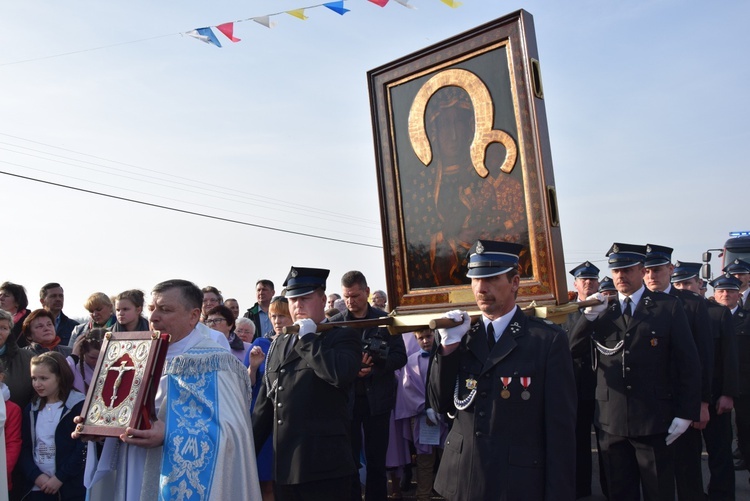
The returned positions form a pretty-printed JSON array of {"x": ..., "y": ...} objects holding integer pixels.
[
  {"x": 490, "y": 336},
  {"x": 626, "y": 313},
  {"x": 290, "y": 345}
]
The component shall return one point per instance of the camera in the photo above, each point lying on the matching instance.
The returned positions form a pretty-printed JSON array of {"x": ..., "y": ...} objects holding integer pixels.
[{"x": 375, "y": 347}]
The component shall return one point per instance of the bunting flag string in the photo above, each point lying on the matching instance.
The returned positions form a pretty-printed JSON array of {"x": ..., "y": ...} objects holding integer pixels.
[
  {"x": 207, "y": 35},
  {"x": 228, "y": 30}
]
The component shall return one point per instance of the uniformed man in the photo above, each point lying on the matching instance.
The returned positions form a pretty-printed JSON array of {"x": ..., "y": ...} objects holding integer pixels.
[
  {"x": 648, "y": 390},
  {"x": 740, "y": 270},
  {"x": 727, "y": 293},
  {"x": 509, "y": 382},
  {"x": 303, "y": 399},
  {"x": 718, "y": 432},
  {"x": 607, "y": 287},
  {"x": 689, "y": 447},
  {"x": 586, "y": 283}
]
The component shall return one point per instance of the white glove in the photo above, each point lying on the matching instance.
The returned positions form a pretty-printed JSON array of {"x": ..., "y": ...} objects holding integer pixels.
[
  {"x": 431, "y": 416},
  {"x": 453, "y": 335},
  {"x": 593, "y": 312},
  {"x": 677, "y": 428},
  {"x": 306, "y": 326}
]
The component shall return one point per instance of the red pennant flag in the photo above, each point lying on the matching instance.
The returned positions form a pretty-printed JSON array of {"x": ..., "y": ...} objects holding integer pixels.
[
  {"x": 228, "y": 30},
  {"x": 381, "y": 3}
]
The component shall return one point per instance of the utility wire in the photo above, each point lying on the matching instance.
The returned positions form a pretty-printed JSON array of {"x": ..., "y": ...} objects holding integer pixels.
[
  {"x": 183, "y": 211},
  {"x": 86, "y": 50},
  {"x": 261, "y": 204},
  {"x": 201, "y": 184}
]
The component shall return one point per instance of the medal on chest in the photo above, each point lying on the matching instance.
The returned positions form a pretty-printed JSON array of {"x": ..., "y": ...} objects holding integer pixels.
[
  {"x": 525, "y": 382},
  {"x": 505, "y": 392}
]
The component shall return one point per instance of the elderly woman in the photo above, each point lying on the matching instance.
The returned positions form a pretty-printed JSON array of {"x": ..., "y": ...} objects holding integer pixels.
[
  {"x": 102, "y": 314},
  {"x": 245, "y": 329},
  {"x": 17, "y": 363},
  {"x": 13, "y": 299},
  {"x": 39, "y": 331},
  {"x": 221, "y": 318}
]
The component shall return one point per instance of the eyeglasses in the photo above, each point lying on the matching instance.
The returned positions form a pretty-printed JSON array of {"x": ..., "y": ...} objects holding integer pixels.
[{"x": 212, "y": 321}]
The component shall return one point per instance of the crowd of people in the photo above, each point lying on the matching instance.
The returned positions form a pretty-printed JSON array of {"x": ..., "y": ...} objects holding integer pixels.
[{"x": 306, "y": 396}]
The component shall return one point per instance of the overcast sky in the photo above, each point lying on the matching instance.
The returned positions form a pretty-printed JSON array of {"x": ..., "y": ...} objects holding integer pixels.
[{"x": 646, "y": 101}]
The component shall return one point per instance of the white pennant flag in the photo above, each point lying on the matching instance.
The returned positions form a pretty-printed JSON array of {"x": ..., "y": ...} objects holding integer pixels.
[
  {"x": 265, "y": 21},
  {"x": 406, "y": 4}
]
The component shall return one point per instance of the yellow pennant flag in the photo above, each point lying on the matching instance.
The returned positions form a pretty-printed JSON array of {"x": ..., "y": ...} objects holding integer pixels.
[
  {"x": 298, "y": 13},
  {"x": 451, "y": 3}
]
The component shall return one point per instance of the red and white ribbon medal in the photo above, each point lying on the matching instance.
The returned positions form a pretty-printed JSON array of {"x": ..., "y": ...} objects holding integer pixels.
[
  {"x": 505, "y": 393},
  {"x": 525, "y": 382}
]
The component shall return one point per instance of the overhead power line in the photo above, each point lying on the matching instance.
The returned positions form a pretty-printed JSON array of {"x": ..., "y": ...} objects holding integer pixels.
[
  {"x": 191, "y": 183},
  {"x": 184, "y": 211}
]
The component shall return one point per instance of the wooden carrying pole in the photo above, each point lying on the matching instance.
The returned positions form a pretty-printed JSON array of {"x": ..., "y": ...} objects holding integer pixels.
[{"x": 398, "y": 324}]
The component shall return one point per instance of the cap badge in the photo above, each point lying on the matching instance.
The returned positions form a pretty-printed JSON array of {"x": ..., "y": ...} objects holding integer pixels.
[
  {"x": 480, "y": 248},
  {"x": 294, "y": 273},
  {"x": 677, "y": 264},
  {"x": 615, "y": 249},
  {"x": 648, "y": 248}
]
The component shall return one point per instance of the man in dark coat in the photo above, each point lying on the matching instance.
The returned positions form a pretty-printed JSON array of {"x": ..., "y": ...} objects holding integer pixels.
[
  {"x": 374, "y": 389},
  {"x": 264, "y": 292},
  {"x": 727, "y": 293},
  {"x": 509, "y": 382},
  {"x": 648, "y": 379},
  {"x": 689, "y": 447},
  {"x": 718, "y": 432},
  {"x": 586, "y": 283},
  {"x": 52, "y": 298},
  {"x": 740, "y": 270},
  {"x": 303, "y": 399}
]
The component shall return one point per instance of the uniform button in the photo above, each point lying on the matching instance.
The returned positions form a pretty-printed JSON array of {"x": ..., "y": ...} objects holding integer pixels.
[
  {"x": 479, "y": 434},
  {"x": 535, "y": 461},
  {"x": 282, "y": 371},
  {"x": 483, "y": 394},
  {"x": 280, "y": 421},
  {"x": 627, "y": 352},
  {"x": 628, "y": 387},
  {"x": 627, "y": 369},
  {"x": 281, "y": 388},
  {"x": 279, "y": 404},
  {"x": 481, "y": 413},
  {"x": 487, "y": 375},
  {"x": 627, "y": 335}
]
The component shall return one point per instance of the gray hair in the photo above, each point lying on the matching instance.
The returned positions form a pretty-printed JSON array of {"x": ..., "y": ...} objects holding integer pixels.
[
  {"x": 246, "y": 322},
  {"x": 192, "y": 297},
  {"x": 4, "y": 315}
]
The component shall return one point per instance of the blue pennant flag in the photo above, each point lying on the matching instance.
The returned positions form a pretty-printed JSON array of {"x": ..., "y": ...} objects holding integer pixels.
[
  {"x": 337, "y": 7},
  {"x": 205, "y": 35}
]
